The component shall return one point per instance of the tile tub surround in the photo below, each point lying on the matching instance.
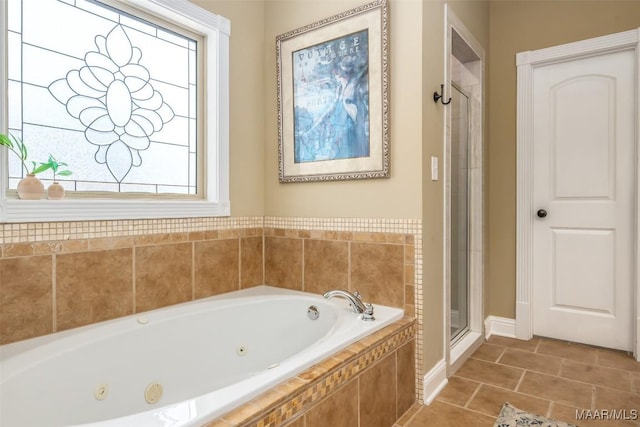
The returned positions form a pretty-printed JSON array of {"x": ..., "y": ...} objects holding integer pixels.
[
  {"x": 47, "y": 287},
  {"x": 382, "y": 259},
  {"x": 381, "y": 266},
  {"x": 368, "y": 384},
  {"x": 55, "y": 276}
]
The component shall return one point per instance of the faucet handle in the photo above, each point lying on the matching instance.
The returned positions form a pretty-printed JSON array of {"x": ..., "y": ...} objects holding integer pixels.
[
  {"x": 368, "y": 312},
  {"x": 357, "y": 295}
]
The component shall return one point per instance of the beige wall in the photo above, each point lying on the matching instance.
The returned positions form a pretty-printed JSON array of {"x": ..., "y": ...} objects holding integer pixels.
[
  {"x": 246, "y": 91},
  {"x": 397, "y": 197},
  {"x": 518, "y": 26}
]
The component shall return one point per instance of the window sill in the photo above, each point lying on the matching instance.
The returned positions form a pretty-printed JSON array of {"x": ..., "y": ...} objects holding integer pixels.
[{"x": 14, "y": 210}]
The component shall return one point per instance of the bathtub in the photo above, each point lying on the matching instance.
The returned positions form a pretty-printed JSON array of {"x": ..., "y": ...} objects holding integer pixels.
[{"x": 177, "y": 366}]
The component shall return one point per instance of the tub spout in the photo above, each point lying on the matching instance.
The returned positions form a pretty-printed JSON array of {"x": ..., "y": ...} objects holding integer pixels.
[{"x": 354, "y": 299}]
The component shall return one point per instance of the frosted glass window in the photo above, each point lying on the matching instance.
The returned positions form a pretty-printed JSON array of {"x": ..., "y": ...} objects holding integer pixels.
[{"x": 112, "y": 95}]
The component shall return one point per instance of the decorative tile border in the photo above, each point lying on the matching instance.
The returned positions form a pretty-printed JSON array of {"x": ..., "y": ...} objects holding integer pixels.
[
  {"x": 48, "y": 231},
  {"x": 371, "y": 225},
  {"x": 292, "y": 398},
  {"x": 12, "y": 250},
  {"x": 419, "y": 318}
]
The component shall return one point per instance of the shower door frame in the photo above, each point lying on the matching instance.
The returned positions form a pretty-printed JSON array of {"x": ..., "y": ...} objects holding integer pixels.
[{"x": 456, "y": 353}]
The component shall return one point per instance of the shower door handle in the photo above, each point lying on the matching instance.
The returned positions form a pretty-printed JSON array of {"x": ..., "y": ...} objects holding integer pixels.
[{"x": 541, "y": 213}]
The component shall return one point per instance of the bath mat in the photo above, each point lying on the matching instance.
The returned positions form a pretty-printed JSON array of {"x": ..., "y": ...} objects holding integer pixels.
[{"x": 510, "y": 416}]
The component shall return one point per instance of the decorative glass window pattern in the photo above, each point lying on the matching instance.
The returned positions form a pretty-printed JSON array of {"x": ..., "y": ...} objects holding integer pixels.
[{"x": 112, "y": 95}]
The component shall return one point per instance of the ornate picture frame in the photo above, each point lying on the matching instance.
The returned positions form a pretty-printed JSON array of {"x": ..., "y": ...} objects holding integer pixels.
[{"x": 333, "y": 97}]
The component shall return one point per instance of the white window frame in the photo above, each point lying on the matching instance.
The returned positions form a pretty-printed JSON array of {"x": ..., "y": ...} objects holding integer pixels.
[{"x": 216, "y": 31}]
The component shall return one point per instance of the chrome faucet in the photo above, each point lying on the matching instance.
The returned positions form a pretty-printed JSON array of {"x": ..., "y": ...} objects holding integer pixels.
[{"x": 354, "y": 300}]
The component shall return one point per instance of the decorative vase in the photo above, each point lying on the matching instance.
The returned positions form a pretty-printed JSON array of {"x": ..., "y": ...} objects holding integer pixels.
[
  {"x": 30, "y": 188},
  {"x": 55, "y": 191}
]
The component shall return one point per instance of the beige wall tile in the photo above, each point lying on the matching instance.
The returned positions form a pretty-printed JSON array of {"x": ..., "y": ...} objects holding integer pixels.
[
  {"x": 211, "y": 234},
  {"x": 75, "y": 245},
  {"x": 410, "y": 254},
  {"x": 304, "y": 234},
  {"x": 196, "y": 235},
  {"x": 93, "y": 286},
  {"x": 46, "y": 248},
  {"x": 110, "y": 243},
  {"x": 229, "y": 233},
  {"x": 409, "y": 294},
  {"x": 163, "y": 275},
  {"x": 326, "y": 265},
  {"x": 25, "y": 298},
  {"x": 409, "y": 274},
  {"x": 406, "y": 380},
  {"x": 152, "y": 239},
  {"x": 251, "y": 262},
  {"x": 378, "y": 394},
  {"x": 283, "y": 262},
  {"x": 410, "y": 310},
  {"x": 338, "y": 410},
  {"x": 17, "y": 249},
  {"x": 377, "y": 272},
  {"x": 217, "y": 268}
]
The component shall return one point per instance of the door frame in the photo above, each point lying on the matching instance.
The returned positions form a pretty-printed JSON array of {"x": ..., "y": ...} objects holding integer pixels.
[{"x": 526, "y": 62}]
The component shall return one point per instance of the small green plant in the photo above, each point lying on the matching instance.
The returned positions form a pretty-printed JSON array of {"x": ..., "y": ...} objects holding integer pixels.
[
  {"x": 19, "y": 148},
  {"x": 55, "y": 166}
]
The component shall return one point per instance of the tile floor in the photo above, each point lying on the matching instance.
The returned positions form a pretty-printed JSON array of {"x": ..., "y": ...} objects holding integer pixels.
[{"x": 544, "y": 376}]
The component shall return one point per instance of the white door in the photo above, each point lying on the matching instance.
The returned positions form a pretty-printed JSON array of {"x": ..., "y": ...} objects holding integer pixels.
[{"x": 584, "y": 182}]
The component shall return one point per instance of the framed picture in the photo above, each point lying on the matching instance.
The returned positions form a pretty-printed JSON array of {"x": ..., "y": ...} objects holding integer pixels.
[{"x": 333, "y": 101}]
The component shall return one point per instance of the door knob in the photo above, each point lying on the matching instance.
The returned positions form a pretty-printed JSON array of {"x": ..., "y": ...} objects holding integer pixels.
[{"x": 541, "y": 213}]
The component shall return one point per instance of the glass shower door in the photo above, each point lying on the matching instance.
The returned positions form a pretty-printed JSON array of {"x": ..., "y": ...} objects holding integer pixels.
[{"x": 459, "y": 237}]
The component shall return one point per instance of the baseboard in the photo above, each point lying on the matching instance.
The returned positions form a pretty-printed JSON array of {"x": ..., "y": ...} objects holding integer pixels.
[
  {"x": 502, "y": 326},
  {"x": 434, "y": 381}
]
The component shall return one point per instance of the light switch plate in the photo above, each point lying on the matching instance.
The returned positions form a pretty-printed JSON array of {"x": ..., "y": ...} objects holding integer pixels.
[{"x": 434, "y": 168}]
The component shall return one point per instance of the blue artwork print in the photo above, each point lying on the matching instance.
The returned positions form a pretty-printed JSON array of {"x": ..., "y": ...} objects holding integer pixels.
[{"x": 331, "y": 99}]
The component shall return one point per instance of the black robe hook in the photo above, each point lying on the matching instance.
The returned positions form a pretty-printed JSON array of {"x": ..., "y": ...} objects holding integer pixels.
[{"x": 438, "y": 96}]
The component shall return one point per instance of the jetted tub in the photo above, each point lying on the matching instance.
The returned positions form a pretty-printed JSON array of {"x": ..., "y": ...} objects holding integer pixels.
[{"x": 177, "y": 366}]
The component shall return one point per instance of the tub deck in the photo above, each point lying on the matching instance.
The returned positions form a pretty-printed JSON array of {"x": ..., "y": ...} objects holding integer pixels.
[{"x": 293, "y": 399}]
